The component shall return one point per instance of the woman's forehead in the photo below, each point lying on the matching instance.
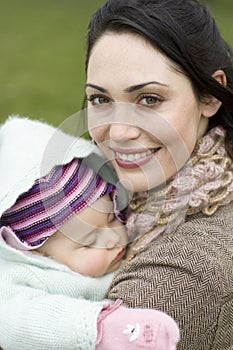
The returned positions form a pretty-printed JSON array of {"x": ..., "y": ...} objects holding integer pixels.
[{"x": 127, "y": 60}]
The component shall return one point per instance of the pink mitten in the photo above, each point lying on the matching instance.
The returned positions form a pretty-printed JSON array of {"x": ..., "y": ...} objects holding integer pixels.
[{"x": 135, "y": 329}]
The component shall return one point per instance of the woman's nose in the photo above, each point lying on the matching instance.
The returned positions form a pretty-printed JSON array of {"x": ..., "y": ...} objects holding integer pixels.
[
  {"x": 124, "y": 122},
  {"x": 123, "y": 131}
]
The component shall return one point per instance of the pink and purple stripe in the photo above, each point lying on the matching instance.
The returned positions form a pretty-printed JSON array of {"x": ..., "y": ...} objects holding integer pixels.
[{"x": 52, "y": 200}]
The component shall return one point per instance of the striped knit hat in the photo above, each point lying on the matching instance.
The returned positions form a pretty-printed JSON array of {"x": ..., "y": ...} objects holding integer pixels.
[{"x": 51, "y": 201}]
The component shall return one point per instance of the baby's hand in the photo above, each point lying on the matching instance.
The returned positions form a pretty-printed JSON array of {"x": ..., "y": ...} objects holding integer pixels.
[{"x": 135, "y": 329}]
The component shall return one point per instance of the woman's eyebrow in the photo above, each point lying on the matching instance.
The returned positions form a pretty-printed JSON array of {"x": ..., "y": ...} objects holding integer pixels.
[
  {"x": 140, "y": 86},
  {"x": 128, "y": 89},
  {"x": 96, "y": 87}
]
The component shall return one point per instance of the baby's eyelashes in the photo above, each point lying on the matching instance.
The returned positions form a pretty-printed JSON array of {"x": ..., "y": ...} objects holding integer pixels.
[{"x": 88, "y": 240}]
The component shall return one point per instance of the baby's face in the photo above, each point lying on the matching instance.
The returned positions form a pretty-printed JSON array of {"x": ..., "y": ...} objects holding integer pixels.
[{"x": 92, "y": 242}]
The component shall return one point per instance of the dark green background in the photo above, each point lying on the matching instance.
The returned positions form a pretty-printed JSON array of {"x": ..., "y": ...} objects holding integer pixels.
[{"x": 42, "y": 53}]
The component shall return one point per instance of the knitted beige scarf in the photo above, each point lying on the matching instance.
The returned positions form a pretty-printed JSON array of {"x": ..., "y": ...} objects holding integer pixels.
[{"x": 202, "y": 185}]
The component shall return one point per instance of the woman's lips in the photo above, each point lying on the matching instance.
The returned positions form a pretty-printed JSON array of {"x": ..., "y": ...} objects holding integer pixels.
[{"x": 129, "y": 160}]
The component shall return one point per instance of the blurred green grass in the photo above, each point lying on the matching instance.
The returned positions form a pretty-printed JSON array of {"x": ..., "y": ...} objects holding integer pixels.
[{"x": 42, "y": 54}]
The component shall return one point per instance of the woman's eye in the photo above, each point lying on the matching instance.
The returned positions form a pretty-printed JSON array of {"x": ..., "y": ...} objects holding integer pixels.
[
  {"x": 98, "y": 100},
  {"x": 149, "y": 100}
]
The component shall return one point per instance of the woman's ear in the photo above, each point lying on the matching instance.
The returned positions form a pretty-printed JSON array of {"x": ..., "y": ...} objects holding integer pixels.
[
  {"x": 220, "y": 76},
  {"x": 210, "y": 104}
]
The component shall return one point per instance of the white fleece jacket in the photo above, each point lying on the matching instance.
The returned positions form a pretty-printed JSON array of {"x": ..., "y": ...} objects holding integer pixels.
[
  {"x": 29, "y": 149},
  {"x": 42, "y": 305}
]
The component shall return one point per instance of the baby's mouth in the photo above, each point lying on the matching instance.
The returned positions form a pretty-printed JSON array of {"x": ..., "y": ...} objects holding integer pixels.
[{"x": 119, "y": 256}]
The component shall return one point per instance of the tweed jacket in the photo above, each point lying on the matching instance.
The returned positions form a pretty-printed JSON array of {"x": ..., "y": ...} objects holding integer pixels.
[{"x": 189, "y": 275}]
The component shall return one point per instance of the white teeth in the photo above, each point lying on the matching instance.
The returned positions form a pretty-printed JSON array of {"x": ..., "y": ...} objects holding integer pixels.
[{"x": 133, "y": 156}]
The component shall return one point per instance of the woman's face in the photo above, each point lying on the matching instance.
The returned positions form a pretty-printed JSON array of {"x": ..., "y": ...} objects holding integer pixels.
[{"x": 142, "y": 113}]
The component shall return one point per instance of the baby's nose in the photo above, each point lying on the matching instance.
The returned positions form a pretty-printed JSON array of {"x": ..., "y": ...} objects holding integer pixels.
[
  {"x": 116, "y": 237},
  {"x": 113, "y": 240}
]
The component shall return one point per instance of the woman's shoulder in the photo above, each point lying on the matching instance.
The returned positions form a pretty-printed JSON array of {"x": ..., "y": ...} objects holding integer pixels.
[
  {"x": 210, "y": 234},
  {"x": 202, "y": 246},
  {"x": 221, "y": 219}
]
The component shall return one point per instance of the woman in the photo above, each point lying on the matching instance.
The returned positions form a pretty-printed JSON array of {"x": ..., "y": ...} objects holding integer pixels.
[{"x": 160, "y": 107}]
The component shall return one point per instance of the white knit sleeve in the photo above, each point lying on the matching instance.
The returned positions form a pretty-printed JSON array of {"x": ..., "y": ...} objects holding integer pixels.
[{"x": 33, "y": 318}]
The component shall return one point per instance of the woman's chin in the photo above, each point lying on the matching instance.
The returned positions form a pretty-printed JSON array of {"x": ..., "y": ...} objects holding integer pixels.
[
  {"x": 143, "y": 177},
  {"x": 137, "y": 181}
]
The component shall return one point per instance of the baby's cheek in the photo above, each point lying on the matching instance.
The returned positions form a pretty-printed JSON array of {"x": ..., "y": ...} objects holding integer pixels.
[
  {"x": 99, "y": 263},
  {"x": 95, "y": 263}
]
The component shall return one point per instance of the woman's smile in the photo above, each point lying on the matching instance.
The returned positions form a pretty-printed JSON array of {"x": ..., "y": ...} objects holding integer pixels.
[{"x": 133, "y": 158}]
